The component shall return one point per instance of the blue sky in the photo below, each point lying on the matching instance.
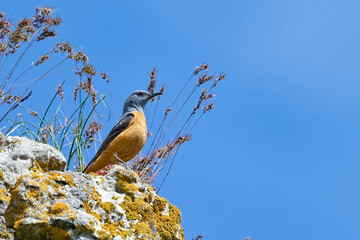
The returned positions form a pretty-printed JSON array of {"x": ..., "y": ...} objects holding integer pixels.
[{"x": 279, "y": 156}]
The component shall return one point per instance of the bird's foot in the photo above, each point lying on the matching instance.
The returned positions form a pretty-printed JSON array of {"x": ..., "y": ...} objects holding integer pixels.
[{"x": 124, "y": 164}]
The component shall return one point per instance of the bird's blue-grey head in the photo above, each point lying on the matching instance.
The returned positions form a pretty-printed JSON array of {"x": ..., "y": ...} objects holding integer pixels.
[{"x": 137, "y": 100}]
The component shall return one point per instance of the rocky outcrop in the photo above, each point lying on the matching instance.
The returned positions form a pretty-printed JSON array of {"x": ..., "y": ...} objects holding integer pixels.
[
  {"x": 20, "y": 156},
  {"x": 40, "y": 201}
]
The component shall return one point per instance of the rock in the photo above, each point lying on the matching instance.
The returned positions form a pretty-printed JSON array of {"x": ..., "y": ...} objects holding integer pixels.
[
  {"x": 57, "y": 205},
  {"x": 19, "y": 156},
  {"x": 48, "y": 204}
]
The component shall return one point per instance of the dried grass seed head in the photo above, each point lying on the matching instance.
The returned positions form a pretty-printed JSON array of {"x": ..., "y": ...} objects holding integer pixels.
[
  {"x": 167, "y": 111},
  {"x": 43, "y": 18},
  {"x": 82, "y": 85},
  {"x": 7, "y": 99},
  {"x": 3, "y": 47},
  {"x": 46, "y": 33},
  {"x": 202, "y": 66},
  {"x": 153, "y": 74},
  {"x": 183, "y": 139},
  {"x": 93, "y": 98},
  {"x": 33, "y": 113},
  {"x": 57, "y": 129},
  {"x": 4, "y": 26},
  {"x": 88, "y": 69},
  {"x": 92, "y": 129},
  {"x": 60, "y": 91},
  {"x": 18, "y": 35},
  {"x": 80, "y": 57},
  {"x": 75, "y": 93},
  {"x": 204, "y": 78},
  {"x": 12, "y": 48},
  {"x": 162, "y": 89},
  {"x": 165, "y": 150},
  {"x": 25, "y": 22},
  {"x": 89, "y": 86},
  {"x": 56, "y": 21},
  {"x": 152, "y": 83},
  {"x": 16, "y": 98},
  {"x": 65, "y": 47},
  {"x": 219, "y": 78},
  {"x": 208, "y": 107},
  {"x": 199, "y": 237},
  {"x": 210, "y": 96},
  {"x": 45, "y": 11},
  {"x": 203, "y": 94},
  {"x": 42, "y": 59},
  {"x": 42, "y": 14},
  {"x": 104, "y": 76},
  {"x": 201, "y": 99}
]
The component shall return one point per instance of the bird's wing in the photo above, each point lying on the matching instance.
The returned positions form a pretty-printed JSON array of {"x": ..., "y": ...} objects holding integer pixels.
[{"x": 117, "y": 129}]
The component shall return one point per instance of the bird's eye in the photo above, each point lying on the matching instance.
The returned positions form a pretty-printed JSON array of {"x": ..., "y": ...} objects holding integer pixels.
[{"x": 140, "y": 94}]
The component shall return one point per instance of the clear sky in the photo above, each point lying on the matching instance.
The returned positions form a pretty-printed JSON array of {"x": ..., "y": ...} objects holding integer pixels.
[{"x": 279, "y": 156}]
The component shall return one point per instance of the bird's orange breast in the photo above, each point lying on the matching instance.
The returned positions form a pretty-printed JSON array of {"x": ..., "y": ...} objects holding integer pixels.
[
  {"x": 125, "y": 145},
  {"x": 129, "y": 142}
]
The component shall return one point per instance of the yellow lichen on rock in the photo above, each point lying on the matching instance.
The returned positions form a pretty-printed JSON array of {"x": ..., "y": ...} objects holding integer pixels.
[
  {"x": 4, "y": 233},
  {"x": 15, "y": 211},
  {"x": 3, "y": 195},
  {"x": 1, "y": 176},
  {"x": 146, "y": 210},
  {"x": 59, "y": 209},
  {"x": 129, "y": 189},
  {"x": 56, "y": 205},
  {"x": 166, "y": 221},
  {"x": 54, "y": 233},
  {"x": 41, "y": 188},
  {"x": 44, "y": 232}
]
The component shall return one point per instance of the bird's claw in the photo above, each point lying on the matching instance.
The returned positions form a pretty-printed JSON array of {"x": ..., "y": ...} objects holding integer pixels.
[{"x": 124, "y": 164}]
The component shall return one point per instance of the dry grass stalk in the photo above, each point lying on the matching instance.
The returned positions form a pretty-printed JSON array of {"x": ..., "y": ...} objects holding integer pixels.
[
  {"x": 74, "y": 131},
  {"x": 151, "y": 164},
  {"x": 27, "y": 30}
]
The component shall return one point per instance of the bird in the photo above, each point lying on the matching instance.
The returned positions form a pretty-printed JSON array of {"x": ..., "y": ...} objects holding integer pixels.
[{"x": 127, "y": 137}]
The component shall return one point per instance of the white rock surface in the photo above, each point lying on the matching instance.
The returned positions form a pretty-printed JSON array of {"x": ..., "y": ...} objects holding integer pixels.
[{"x": 18, "y": 155}]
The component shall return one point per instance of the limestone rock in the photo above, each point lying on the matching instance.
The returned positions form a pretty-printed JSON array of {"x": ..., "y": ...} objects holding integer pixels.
[
  {"x": 19, "y": 156},
  {"x": 48, "y": 204},
  {"x": 56, "y": 205}
]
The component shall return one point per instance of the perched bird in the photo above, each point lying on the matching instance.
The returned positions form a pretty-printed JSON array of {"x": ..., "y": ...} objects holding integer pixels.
[{"x": 127, "y": 137}]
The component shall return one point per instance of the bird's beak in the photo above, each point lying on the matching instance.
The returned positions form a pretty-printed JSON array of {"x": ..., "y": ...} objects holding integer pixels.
[{"x": 155, "y": 94}]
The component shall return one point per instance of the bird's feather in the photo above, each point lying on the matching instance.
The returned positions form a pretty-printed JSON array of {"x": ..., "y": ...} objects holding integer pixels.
[{"x": 117, "y": 129}]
